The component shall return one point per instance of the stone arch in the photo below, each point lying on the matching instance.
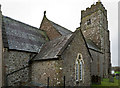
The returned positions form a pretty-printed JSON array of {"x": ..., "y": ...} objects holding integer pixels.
[{"x": 79, "y": 68}]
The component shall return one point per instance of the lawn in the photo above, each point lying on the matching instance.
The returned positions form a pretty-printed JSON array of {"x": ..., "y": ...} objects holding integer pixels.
[
  {"x": 118, "y": 72},
  {"x": 105, "y": 83}
]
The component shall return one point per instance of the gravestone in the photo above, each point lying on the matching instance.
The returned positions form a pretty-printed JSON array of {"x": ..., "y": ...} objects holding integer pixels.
[
  {"x": 117, "y": 76},
  {"x": 96, "y": 79},
  {"x": 99, "y": 80}
]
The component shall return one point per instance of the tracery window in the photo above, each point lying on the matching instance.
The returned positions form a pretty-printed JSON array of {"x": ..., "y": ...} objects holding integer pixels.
[{"x": 79, "y": 68}]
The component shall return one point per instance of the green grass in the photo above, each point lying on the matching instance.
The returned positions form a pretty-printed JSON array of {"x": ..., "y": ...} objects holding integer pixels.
[
  {"x": 105, "y": 82},
  {"x": 118, "y": 72}
]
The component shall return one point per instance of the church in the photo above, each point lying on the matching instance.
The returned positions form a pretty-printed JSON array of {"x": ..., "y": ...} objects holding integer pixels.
[{"x": 53, "y": 55}]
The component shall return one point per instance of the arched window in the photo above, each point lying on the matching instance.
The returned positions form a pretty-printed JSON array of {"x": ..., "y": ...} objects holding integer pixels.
[{"x": 79, "y": 68}]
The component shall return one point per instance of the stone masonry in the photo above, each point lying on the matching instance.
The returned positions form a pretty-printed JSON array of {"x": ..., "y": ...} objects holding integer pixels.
[
  {"x": 41, "y": 70},
  {"x": 65, "y": 66},
  {"x": 18, "y": 63},
  {"x": 70, "y": 56},
  {"x": 1, "y": 49},
  {"x": 94, "y": 25},
  {"x": 16, "y": 67},
  {"x": 97, "y": 63},
  {"x": 50, "y": 30}
]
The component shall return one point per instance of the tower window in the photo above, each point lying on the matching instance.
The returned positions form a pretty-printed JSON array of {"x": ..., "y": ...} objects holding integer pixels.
[{"x": 88, "y": 22}]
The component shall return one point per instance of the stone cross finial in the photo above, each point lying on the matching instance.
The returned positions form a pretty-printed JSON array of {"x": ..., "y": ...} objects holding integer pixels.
[{"x": 44, "y": 13}]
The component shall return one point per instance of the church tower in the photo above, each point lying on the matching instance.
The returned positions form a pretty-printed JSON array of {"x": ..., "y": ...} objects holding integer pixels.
[{"x": 94, "y": 26}]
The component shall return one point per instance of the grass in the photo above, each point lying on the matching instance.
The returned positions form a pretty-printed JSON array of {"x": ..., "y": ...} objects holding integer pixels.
[
  {"x": 106, "y": 83},
  {"x": 118, "y": 72}
]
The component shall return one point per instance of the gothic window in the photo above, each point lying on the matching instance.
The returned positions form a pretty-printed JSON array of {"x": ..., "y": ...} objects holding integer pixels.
[
  {"x": 79, "y": 57},
  {"x": 79, "y": 68},
  {"x": 88, "y": 22}
]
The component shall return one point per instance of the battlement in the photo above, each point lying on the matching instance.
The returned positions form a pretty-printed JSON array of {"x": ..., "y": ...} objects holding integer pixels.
[{"x": 93, "y": 8}]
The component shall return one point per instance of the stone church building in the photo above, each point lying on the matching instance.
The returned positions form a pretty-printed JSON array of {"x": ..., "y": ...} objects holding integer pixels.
[{"x": 34, "y": 56}]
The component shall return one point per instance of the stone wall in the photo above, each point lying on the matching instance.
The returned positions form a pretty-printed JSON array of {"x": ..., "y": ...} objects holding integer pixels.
[
  {"x": 97, "y": 65},
  {"x": 76, "y": 46},
  {"x": 16, "y": 66},
  {"x": 107, "y": 53},
  {"x": 18, "y": 78},
  {"x": 95, "y": 27},
  {"x": 91, "y": 31},
  {"x": 65, "y": 66},
  {"x": 96, "y": 30},
  {"x": 1, "y": 50},
  {"x": 41, "y": 70},
  {"x": 49, "y": 29},
  {"x": 94, "y": 8}
]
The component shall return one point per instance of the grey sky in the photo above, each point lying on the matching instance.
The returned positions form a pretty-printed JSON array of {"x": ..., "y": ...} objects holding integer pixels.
[{"x": 67, "y": 13}]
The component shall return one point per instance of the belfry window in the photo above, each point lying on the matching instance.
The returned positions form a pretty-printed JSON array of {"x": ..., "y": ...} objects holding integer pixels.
[{"x": 88, "y": 22}]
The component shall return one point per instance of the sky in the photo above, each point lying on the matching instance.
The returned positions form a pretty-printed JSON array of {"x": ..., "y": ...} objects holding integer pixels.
[{"x": 66, "y": 13}]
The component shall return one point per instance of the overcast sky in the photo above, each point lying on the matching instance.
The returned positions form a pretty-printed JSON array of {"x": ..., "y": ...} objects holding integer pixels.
[{"x": 66, "y": 13}]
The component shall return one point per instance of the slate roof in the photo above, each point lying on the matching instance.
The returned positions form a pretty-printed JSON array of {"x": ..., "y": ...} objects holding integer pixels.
[
  {"x": 60, "y": 29},
  {"x": 91, "y": 45},
  {"x": 64, "y": 31},
  {"x": 21, "y": 36},
  {"x": 51, "y": 49}
]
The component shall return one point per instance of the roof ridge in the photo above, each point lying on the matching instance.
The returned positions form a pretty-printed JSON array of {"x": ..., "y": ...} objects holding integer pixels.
[
  {"x": 58, "y": 44},
  {"x": 21, "y": 22},
  {"x": 66, "y": 44},
  {"x": 30, "y": 38},
  {"x": 54, "y": 22},
  {"x": 60, "y": 29},
  {"x": 60, "y": 25},
  {"x": 60, "y": 37}
]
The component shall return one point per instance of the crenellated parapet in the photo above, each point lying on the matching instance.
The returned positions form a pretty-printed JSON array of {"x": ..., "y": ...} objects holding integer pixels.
[{"x": 92, "y": 9}]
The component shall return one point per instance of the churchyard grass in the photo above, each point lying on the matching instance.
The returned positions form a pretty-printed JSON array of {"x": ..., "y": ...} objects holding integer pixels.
[{"x": 105, "y": 82}]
